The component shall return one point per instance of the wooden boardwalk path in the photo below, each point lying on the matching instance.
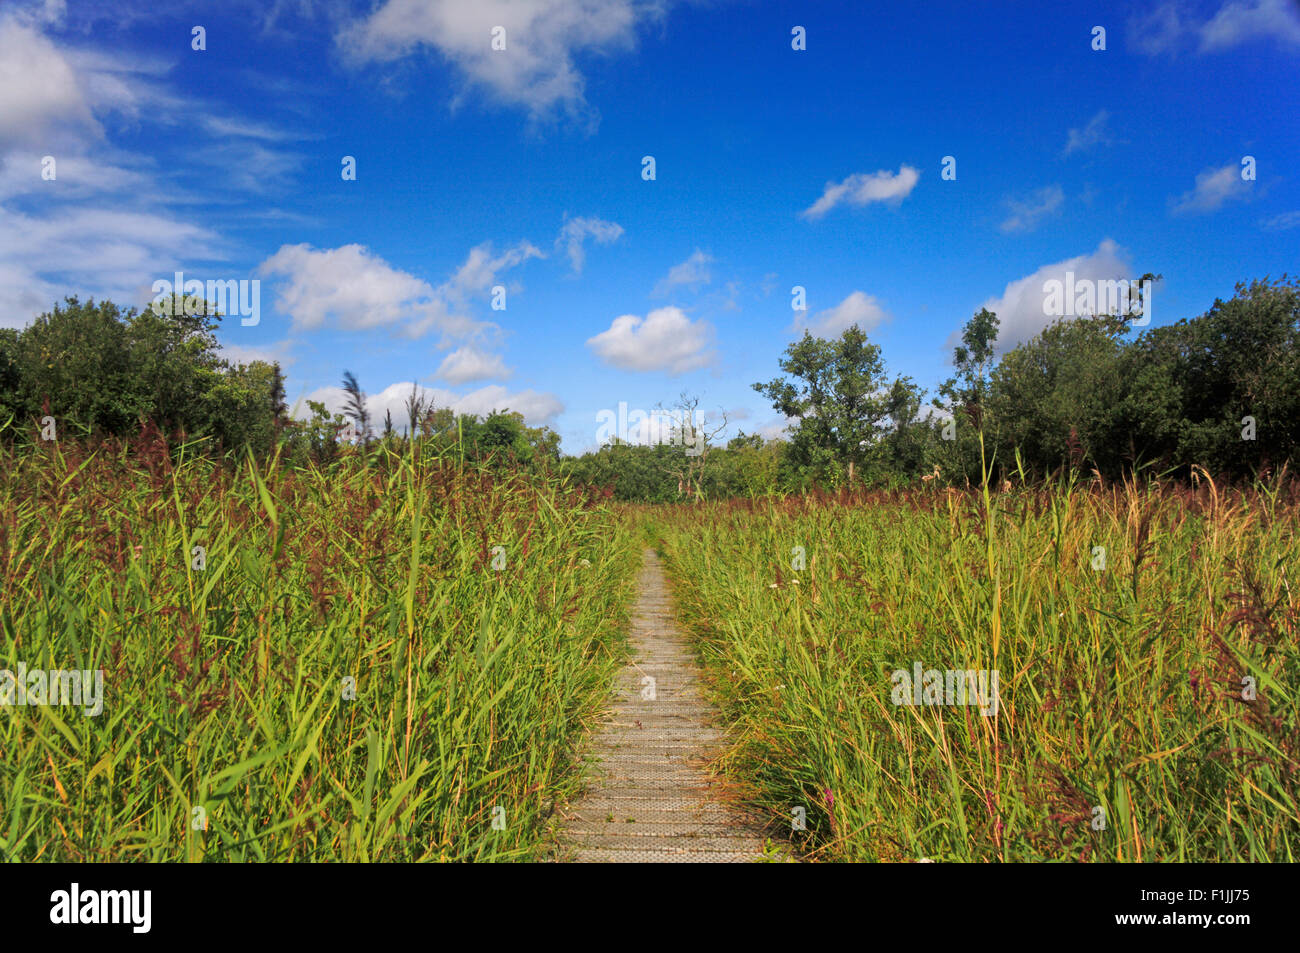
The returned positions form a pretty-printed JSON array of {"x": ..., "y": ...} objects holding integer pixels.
[{"x": 650, "y": 799}]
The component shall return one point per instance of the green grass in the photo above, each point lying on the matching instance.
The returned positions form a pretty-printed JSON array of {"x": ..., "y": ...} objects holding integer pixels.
[
  {"x": 225, "y": 686},
  {"x": 1120, "y": 688}
]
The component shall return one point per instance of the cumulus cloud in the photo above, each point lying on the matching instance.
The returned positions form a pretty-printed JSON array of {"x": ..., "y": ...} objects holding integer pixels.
[
  {"x": 41, "y": 96},
  {"x": 665, "y": 340},
  {"x": 858, "y": 308},
  {"x": 347, "y": 284},
  {"x": 1027, "y": 214},
  {"x": 467, "y": 364},
  {"x": 1020, "y": 306},
  {"x": 1090, "y": 136},
  {"x": 864, "y": 188},
  {"x": 691, "y": 273},
  {"x": 1214, "y": 187},
  {"x": 537, "y": 70},
  {"x": 576, "y": 231},
  {"x": 357, "y": 290},
  {"x": 538, "y": 409}
]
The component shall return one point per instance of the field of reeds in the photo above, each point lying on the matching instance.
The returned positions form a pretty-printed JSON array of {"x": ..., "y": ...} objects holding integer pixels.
[
  {"x": 299, "y": 665},
  {"x": 1147, "y": 638}
]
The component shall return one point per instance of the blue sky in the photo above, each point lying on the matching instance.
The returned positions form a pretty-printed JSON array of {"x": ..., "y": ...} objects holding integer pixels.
[{"x": 522, "y": 169}]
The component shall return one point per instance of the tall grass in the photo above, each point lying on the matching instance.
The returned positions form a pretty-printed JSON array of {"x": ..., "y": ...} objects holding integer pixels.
[
  {"x": 225, "y": 686},
  {"x": 1123, "y": 732}
]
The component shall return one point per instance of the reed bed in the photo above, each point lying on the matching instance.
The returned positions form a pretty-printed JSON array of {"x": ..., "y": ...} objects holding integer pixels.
[
  {"x": 1124, "y": 729},
  {"x": 353, "y": 672}
]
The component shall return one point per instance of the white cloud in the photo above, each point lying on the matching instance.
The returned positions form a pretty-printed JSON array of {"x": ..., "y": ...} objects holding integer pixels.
[
  {"x": 1240, "y": 21},
  {"x": 538, "y": 409},
  {"x": 691, "y": 273},
  {"x": 356, "y": 290},
  {"x": 863, "y": 188},
  {"x": 1213, "y": 188},
  {"x": 57, "y": 100},
  {"x": 858, "y": 308},
  {"x": 537, "y": 70},
  {"x": 1028, "y": 214},
  {"x": 270, "y": 353},
  {"x": 665, "y": 340},
  {"x": 1093, "y": 134},
  {"x": 1170, "y": 27},
  {"x": 575, "y": 231},
  {"x": 41, "y": 96},
  {"x": 467, "y": 364},
  {"x": 347, "y": 284},
  {"x": 777, "y": 429},
  {"x": 1279, "y": 223},
  {"x": 1020, "y": 307},
  {"x": 107, "y": 254},
  {"x": 480, "y": 270},
  {"x": 1159, "y": 31},
  {"x": 75, "y": 177}
]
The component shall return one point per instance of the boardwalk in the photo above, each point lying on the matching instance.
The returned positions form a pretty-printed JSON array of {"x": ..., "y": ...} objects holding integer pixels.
[{"x": 650, "y": 799}]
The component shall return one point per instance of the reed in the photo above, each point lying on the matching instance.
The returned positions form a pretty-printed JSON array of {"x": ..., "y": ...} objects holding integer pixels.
[
  {"x": 1121, "y": 693},
  {"x": 355, "y": 672}
]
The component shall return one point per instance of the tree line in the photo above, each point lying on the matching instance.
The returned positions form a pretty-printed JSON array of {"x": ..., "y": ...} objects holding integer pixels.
[{"x": 1219, "y": 391}]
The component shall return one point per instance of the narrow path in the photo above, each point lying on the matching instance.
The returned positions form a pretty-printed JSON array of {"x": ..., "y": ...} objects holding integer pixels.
[{"x": 651, "y": 800}]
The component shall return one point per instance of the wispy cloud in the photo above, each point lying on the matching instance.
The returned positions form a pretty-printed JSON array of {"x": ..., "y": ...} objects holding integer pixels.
[
  {"x": 1090, "y": 136},
  {"x": 1027, "y": 214},
  {"x": 1174, "y": 27},
  {"x": 691, "y": 273},
  {"x": 90, "y": 251},
  {"x": 1280, "y": 223},
  {"x": 1241, "y": 21},
  {"x": 574, "y": 233},
  {"x": 1214, "y": 188},
  {"x": 864, "y": 188}
]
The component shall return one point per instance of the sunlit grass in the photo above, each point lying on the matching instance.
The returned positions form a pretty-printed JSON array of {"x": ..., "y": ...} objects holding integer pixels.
[
  {"x": 225, "y": 686},
  {"x": 1120, "y": 688}
]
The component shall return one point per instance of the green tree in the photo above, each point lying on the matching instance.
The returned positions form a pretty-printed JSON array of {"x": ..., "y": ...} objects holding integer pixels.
[
  {"x": 1193, "y": 384},
  {"x": 840, "y": 398},
  {"x": 1059, "y": 397}
]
